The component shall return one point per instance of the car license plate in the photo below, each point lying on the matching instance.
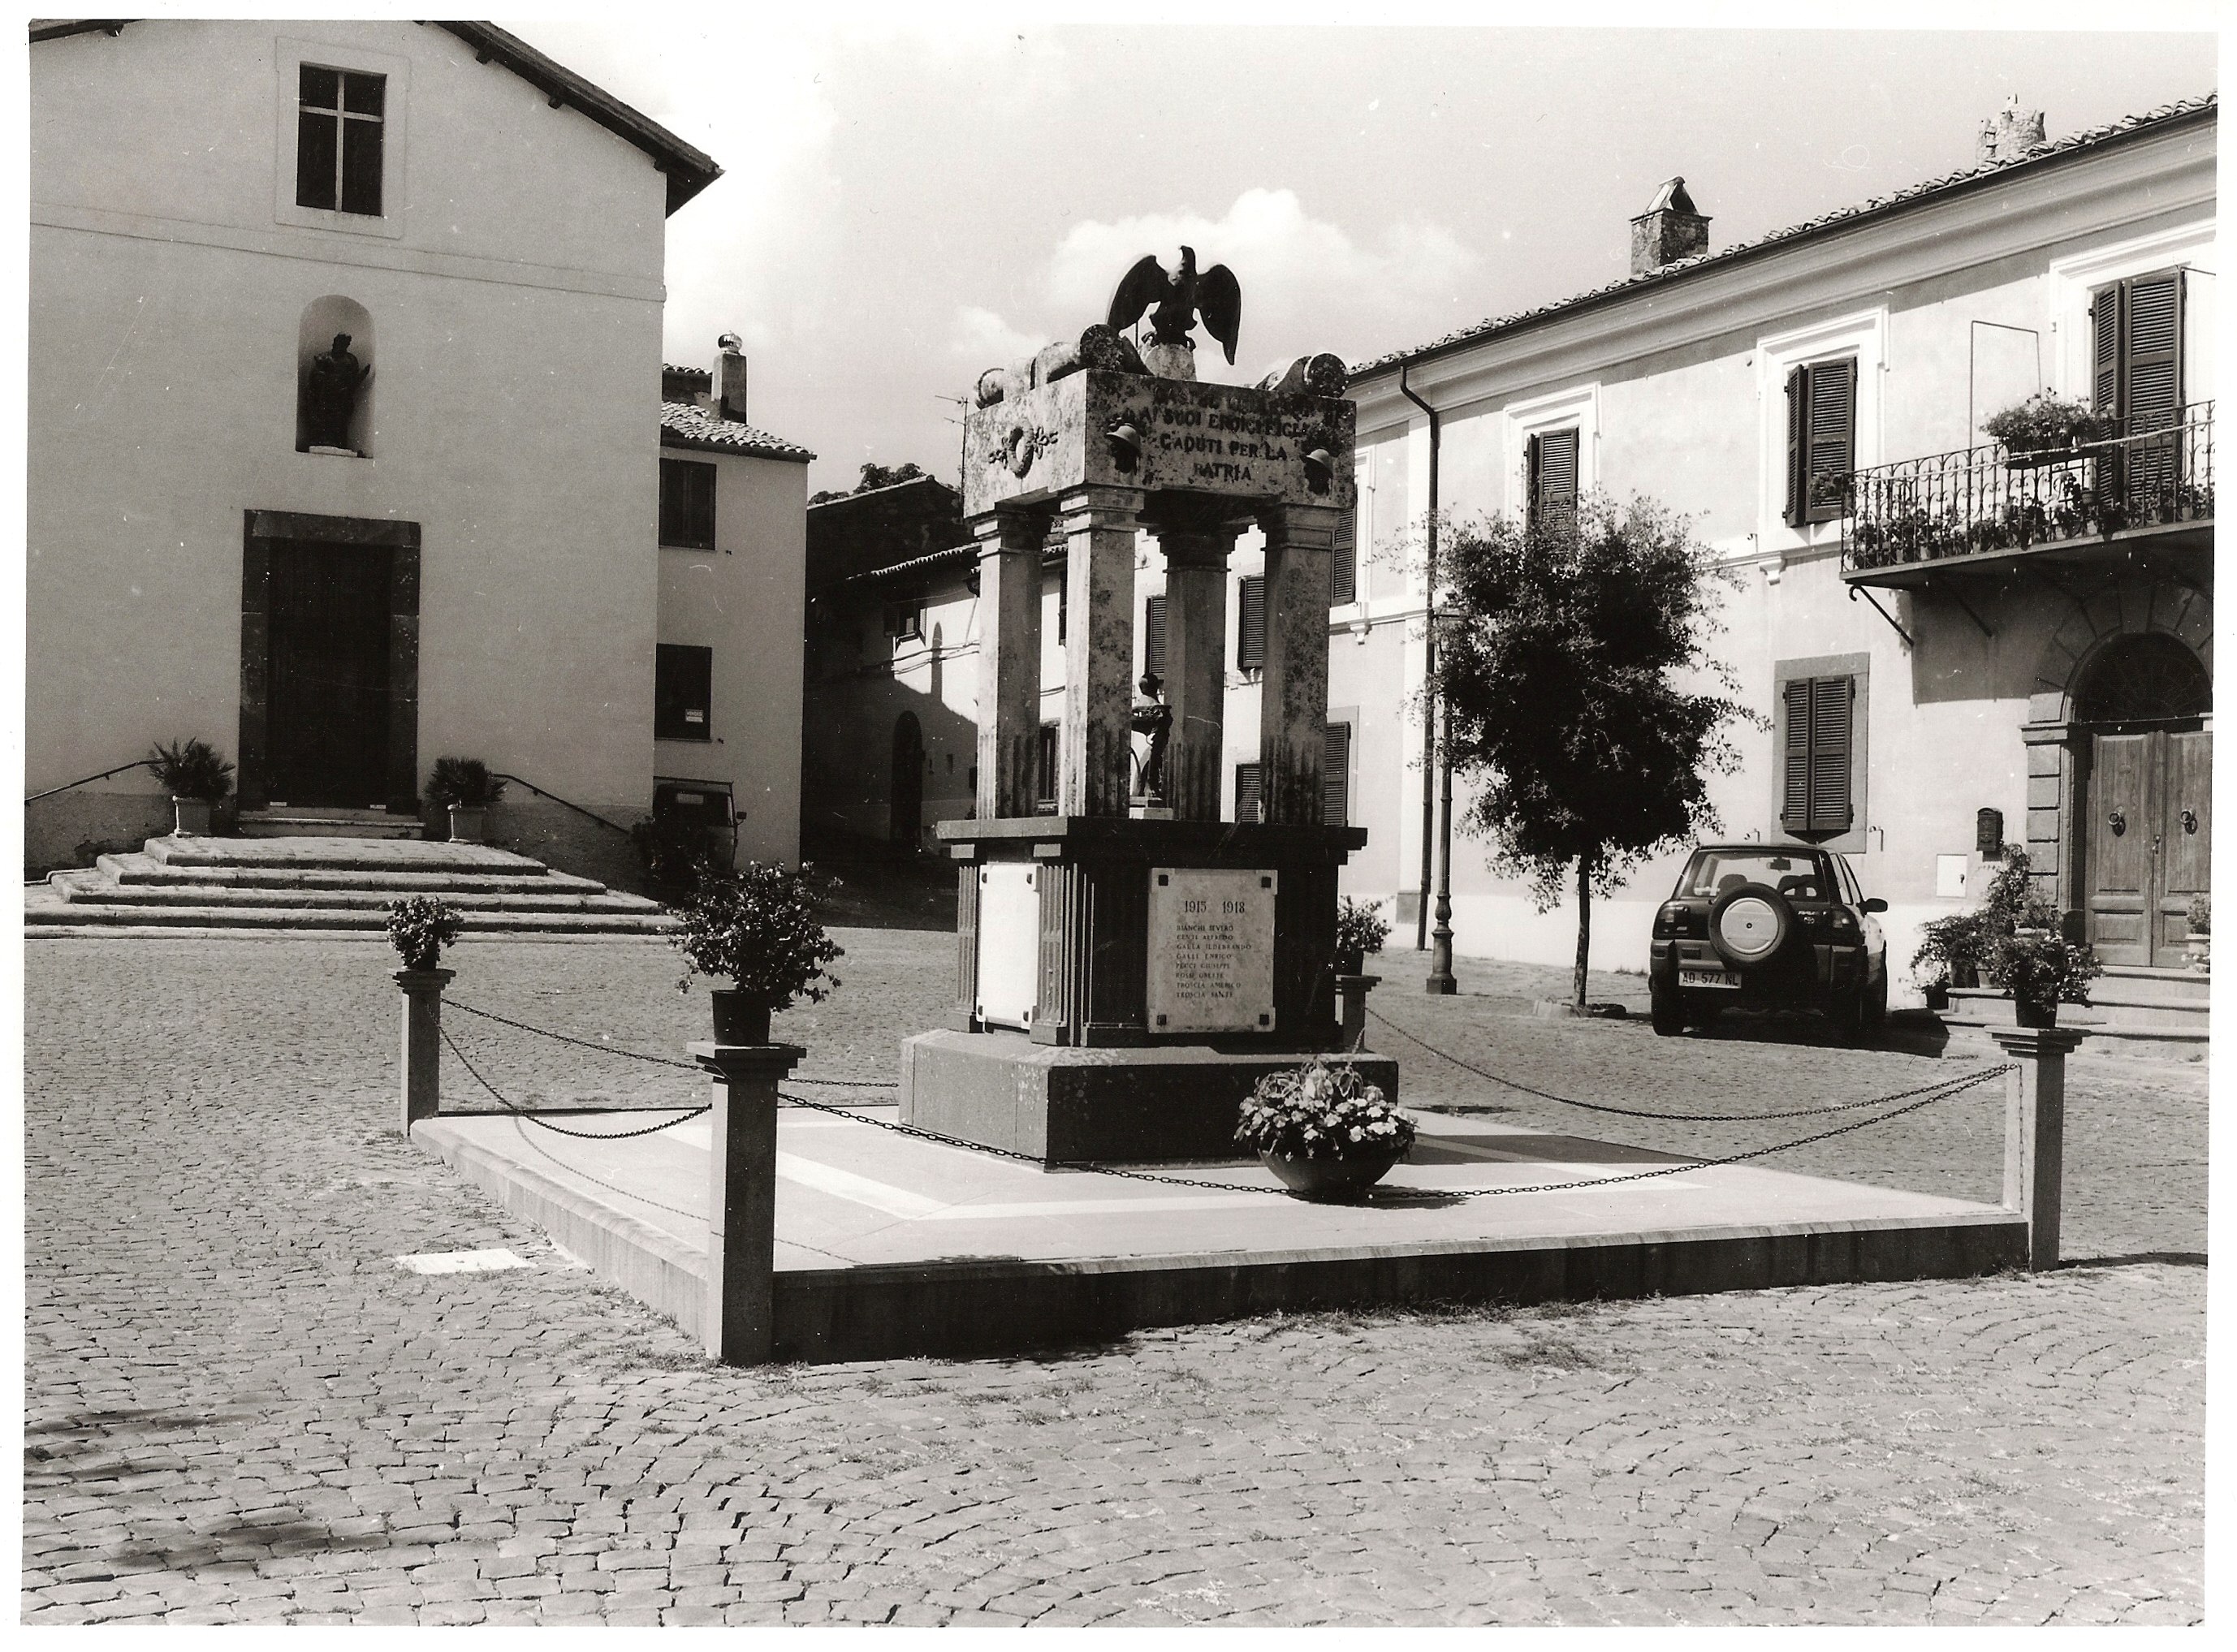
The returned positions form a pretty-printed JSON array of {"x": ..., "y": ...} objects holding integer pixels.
[{"x": 1706, "y": 978}]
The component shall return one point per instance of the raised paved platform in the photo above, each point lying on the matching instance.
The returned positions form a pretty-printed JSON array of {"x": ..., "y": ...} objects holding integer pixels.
[
  {"x": 890, "y": 1247},
  {"x": 327, "y": 883}
]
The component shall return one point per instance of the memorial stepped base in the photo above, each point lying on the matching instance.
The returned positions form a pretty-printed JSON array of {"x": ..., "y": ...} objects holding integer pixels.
[
  {"x": 327, "y": 883},
  {"x": 2160, "y": 1014}
]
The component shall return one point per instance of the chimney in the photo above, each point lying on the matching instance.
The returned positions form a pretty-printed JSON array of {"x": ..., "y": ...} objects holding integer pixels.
[
  {"x": 2010, "y": 133},
  {"x": 727, "y": 394},
  {"x": 1667, "y": 230}
]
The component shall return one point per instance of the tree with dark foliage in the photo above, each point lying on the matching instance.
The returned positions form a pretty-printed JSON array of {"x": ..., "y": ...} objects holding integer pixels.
[
  {"x": 874, "y": 476},
  {"x": 1564, "y": 651}
]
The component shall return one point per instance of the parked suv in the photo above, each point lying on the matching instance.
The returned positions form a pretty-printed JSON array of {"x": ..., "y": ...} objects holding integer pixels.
[{"x": 1766, "y": 926}]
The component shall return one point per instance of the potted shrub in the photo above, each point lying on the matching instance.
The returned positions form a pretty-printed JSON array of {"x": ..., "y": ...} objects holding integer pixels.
[
  {"x": 2042, "y": 969},
  {"x": 466, "y": 788},
  {"x": 2043, "y": 430},
  {"x": 2194, "y": 946},
  {"x": 420, "y": 927},
  {"x": 1326, "y": 1133},
  {"x": 755, "y": 927},
  {"x": 1951, "y": 947},
  {"x": 197, "y": 778},
  {"x": 1360, "y": 929}
]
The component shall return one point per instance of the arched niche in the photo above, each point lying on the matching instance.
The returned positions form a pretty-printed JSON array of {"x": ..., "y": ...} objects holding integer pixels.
[{"x": 323, "y": 319}]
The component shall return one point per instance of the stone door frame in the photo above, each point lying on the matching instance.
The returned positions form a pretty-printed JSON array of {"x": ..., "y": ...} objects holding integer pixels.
[
  {"x": 2059, "y": 746},
  {"x": 260, "y": 531}
]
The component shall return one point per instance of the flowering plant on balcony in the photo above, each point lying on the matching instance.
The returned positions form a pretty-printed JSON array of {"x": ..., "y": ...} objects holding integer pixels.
[
  {"x": 2044, "y": 423},
  {"x": 1322, "y": 1110}
]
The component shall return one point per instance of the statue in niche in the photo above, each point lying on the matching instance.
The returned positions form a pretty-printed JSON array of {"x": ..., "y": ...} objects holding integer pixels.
[
  {"x": 330, "y": 394},
  {"x": 1154, "y": 718}
]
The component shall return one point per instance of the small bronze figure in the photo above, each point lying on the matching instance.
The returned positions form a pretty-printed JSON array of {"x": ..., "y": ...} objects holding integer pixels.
[
  {"x": 330, "y": 392},
  {"x": 1155, "y": 718}
]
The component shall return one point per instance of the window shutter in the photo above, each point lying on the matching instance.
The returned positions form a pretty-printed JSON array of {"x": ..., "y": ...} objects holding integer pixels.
[
  {"x": 1344, "y": 563},
  {"x": 1820, "y": 712},
  {"x": 2152, "y": 364},
  {"x": 1832, "y": 445},
  {"x": 1250, "y": 626},
  {"x": 1153, "y": 635},
  {"x": 1828, "y": 753},
  {"x": 1336, "y": 775},
  {"x": 687, "y": 504},
  {"x": 1246, "y": 794},
  {"x": 1555, "y": 495},
  {"x": 2105, "y": 351},
  {"x": 1798, "y": 442},
  {"x": 1794, "y": 809}
]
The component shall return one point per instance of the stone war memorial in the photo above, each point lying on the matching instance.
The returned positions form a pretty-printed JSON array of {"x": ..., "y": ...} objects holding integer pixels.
[{"x": 1129, "y": 965}]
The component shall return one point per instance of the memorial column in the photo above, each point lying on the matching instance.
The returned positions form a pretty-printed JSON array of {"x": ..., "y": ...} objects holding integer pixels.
[
  {"x": 1096, "y": 746},
  {"x": 1195, "y": 665},
  {"x": 1009, "y": 661},
  {"x": 1293, "y": 692}
]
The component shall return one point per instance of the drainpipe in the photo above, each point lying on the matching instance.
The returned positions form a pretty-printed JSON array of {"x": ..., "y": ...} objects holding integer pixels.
[{"x": 1441, "y": 982}]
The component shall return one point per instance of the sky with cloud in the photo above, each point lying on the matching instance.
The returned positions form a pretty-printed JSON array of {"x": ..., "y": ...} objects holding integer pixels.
[{"x": 906, "y": 206}]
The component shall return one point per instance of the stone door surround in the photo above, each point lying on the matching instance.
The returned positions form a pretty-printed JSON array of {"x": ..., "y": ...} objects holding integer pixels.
[{"x": 260, "y": 531}]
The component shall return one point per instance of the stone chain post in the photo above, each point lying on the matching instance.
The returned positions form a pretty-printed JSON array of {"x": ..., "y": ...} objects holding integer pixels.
[
  {"x": 421, "y": 1093},
  {"x": 2035, "y": 1131},
  {"x": 1351, "y": 993},
  {"x": 740, "y": 1323}
]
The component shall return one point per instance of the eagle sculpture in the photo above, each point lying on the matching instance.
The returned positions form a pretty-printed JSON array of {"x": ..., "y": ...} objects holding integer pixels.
[{"x": 1214, "y": 294}]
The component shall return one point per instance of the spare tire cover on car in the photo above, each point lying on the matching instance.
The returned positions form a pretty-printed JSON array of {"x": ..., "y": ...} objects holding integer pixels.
[{"x": 1750, "y": 925}]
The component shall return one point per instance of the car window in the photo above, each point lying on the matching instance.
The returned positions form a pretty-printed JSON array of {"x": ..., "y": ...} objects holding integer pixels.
[
  {"x": 1799, "y": 875},
  {"x": 1852, "y": 891}
]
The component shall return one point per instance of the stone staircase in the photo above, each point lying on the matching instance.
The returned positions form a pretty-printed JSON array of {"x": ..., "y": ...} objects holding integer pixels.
[
  {"x": 327, "y": 884},
  {"x": 2132, "y": 1010},
  {"x": 281, "y": 821}
]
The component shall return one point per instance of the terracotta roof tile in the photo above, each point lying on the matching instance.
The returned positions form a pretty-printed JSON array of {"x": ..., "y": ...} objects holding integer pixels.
[
  {"x": 685, "y": 425},
  {"x": 1836, "y": 219}
]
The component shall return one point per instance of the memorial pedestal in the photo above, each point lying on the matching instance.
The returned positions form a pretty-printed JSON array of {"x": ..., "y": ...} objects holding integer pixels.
[{"x": 1123, "y": 984}]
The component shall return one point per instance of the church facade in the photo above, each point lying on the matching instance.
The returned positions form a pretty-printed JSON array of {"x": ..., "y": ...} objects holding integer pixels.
[{"x": 346, "y": 424}]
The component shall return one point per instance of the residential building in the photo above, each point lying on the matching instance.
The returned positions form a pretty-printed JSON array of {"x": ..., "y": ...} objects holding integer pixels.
[
  {"x": 1951, "y": 644},
  {"x": 457, "y": 552}
]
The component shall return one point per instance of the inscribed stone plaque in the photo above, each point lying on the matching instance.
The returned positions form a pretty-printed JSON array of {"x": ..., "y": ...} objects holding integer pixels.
[
  {"x": 1211, "y": 950},
  {"x": 1009, "y": 943}
]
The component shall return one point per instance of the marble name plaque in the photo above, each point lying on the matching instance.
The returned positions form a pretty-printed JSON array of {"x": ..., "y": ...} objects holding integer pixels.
[{"x": 1211, "y": 950}]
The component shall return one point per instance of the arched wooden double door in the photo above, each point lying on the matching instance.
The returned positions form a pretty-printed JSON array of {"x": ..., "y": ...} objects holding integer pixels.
[{"x": 2149, "y": 797}]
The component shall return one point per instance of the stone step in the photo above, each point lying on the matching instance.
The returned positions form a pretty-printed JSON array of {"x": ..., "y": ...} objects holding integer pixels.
[
  {"x": 2168, "y": 983},
  {"x": 95, "y": 914},
  {"x": 2113, "y": 1004},
  {"x": 371, "y": 824},
  {"x": 338, "y": 854},
  {"x": 78, "y": 891},
  {"x": 143, "y": 870}
]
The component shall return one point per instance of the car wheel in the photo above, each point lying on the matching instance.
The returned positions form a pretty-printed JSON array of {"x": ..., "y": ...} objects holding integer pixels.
[
  {"x": 1668, "y": 1015},
  {"x": 1750, "y": 927}
]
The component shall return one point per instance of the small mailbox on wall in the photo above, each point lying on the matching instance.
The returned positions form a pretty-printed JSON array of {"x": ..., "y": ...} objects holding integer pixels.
[{"x": 1989, "y": 834}]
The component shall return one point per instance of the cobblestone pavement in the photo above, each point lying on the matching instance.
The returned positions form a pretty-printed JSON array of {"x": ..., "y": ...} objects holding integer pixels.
[{"x": 239, "y": 1410}]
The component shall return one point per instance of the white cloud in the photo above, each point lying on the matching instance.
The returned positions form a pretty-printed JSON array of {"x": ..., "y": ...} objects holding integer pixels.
[
  {"x": 986, "y": 340},
  {"x": 1307, "y": 285}
]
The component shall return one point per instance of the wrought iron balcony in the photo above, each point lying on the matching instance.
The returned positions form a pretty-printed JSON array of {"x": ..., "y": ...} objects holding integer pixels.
[{"x": 1903, "y": 522}]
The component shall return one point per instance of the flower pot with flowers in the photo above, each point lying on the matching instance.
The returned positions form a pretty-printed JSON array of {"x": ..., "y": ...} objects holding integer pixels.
[
  {"x": 755, "y": 926},
  {"x": 198, "y": 781},
  {"x": 465, "y": 787},
  {"x": 2042, "y": 969},
  {"x": 2044, "y": 430},
  {"x": 420, "y": 927},
  {"x": 1360, "y": 929},
  {"x": 1326, "y": 1132},
  {"x": 2197, "y": 944}
]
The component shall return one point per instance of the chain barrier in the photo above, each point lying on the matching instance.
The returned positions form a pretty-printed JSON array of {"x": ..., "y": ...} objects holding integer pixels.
[
  {"x": 1822, "y": 1111},
  {"x": 1912, "y": 1100},
  {"x": 1939, "y": 1092},
  {"x": 657, "y": 1061}
]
